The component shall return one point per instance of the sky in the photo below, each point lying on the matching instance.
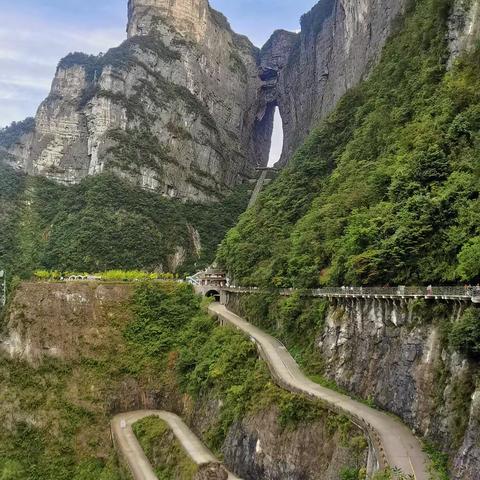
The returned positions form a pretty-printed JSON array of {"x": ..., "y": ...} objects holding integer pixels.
[{"x": 36, "y": 34}]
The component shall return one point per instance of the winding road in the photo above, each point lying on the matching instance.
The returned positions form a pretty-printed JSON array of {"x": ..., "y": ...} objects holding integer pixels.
[
  {"x": 393, "y": 442},
  {"x": 131, "y": 451}
]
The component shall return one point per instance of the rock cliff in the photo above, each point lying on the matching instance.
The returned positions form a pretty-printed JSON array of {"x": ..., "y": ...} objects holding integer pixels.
[
  {"x": 338, "y": 44},
  {"x": 172, "y": 108},
  {"x": 394, "y": 353},
  {"x": 185, "y": 106},
  {"x": 259, "y": 447},
  {"x": 464, "y": 26}
]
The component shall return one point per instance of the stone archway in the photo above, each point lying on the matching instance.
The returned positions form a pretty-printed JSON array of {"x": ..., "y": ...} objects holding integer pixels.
[{"x": 213, "y": 294}]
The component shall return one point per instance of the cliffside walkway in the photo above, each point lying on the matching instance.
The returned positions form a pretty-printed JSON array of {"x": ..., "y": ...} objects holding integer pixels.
[
  {"x": 131, "y": 451},
  {"x": 430, "y": 293},
  {"x": 393, "y": 444}
]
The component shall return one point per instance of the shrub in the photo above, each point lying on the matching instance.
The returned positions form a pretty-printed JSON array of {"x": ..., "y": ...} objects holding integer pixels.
[
  {"x": 469, "y": 260},
  {"x": 465, "y": 334}
]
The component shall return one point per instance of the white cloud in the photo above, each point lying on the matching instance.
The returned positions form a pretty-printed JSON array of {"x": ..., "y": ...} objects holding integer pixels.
[{"x": 30, "y": 50}]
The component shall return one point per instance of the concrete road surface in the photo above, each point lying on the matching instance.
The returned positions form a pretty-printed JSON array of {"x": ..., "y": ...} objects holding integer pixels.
[
  {"x": 132, "y": 452},
  {"x": 401, "y": 448}
]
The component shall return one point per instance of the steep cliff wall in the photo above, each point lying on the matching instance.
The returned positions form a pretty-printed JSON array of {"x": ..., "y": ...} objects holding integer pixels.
[
  {"x": 395, "y": 353},
  {"x": 340, "y": 41},
  {"x": 172, "y": 108},
  {"x": 186, "y": 106},
  {"x": 464, "y": 27}
]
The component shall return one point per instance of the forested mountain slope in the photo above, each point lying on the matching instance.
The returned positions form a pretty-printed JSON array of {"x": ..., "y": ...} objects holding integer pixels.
[
  {"x": 386, "y": 189},
  {"x": 106, "y": 223}
]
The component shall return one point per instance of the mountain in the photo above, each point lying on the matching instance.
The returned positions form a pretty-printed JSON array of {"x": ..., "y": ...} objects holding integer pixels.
[
  {"x": 183, "y": 109},
  {"x": 185, "y": 106},
  {"x": 172, "y": 109},
  {"x": 385, "y": 190}
]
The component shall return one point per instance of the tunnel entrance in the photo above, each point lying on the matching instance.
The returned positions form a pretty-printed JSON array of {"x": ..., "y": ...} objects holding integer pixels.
[
  {"x": 276, "y": 144},
  {"x": 213, "y": 294}
]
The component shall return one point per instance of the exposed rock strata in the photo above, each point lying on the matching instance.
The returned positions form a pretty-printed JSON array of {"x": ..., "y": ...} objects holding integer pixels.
[
  {"x": 338, "y": 44},
  {"x": 394, "y": 354},
  {"x": 260, "y": 448},
  {"x": 173, "y": 108},
  {"x": 186, "y": 106}
]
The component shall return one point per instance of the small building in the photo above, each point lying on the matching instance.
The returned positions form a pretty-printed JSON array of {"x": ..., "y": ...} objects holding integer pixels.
[
  {"x": 213, "y": 277},
  {"x": 210, "y": 282}
]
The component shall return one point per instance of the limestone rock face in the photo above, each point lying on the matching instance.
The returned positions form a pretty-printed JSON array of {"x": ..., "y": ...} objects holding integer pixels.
[
  {"x": 259, "y": 447},
  {"x": 464, "y": 26},
  {"x": 211, "y": 471},
  {"x": 189, "y": 17},
  {"x": 186, "y": 106},
  {"x": 172, "y": 109},
  {"x": 389, "y": 352},
  {"x": 339, "y": 42}
]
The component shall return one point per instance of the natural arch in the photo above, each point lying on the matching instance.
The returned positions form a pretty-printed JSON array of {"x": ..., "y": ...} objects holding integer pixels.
[{"x": 276, "y": 141}]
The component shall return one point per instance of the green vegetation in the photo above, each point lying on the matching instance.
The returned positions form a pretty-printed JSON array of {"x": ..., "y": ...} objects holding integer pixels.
[
  {"x": 119, "y": 57},
  {"x": 12, "y": 185},
  {"x": 111, "y": 275},
  {"x": 210, "y": 360},
  {"x": 10, "y": 135},
  {"x": 52, "y": 434},
  {"x": 391, "y": 474},
  {"x": 237, "y": 66},
  {"x": 163, "y": 450},
  {"x": 439, "y": 467},
  {"x": 135, "y": 149},
  {"x": 386, "y": 189},
  {"x": 297, "y": 321},
  {"x": 465, "y": 334},
  {"x": 104, "y": 223},
  {"x": 164, "y": 345}
]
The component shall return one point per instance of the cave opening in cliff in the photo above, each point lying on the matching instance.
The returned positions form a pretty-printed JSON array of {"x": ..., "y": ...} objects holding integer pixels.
[{"x": 276, "y": 146}]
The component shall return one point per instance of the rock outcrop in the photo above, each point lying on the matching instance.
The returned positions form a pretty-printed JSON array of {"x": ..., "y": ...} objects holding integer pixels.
[
  {"x": 211, "y": 471},
  {"x": 173, "y": 108},
  {"x": 338, "y": 44},
  {"x": 186, "y": 106},
  {"x": 394, "y": 353},
  {"x": 258, "y": 447},
  {"x": 463, "y": 26}
]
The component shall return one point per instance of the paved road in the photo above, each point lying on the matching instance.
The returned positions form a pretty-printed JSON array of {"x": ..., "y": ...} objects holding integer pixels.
[
  {"x": 398, "y": 446},
  {"x": 132, "y": 452}
]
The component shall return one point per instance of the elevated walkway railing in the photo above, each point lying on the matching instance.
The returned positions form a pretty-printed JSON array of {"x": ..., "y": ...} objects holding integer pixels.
[{"x": 437, "y": 293}]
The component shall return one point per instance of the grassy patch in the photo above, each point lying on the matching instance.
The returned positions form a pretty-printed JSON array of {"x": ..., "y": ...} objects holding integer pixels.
[{"x": 163, "y": 450}]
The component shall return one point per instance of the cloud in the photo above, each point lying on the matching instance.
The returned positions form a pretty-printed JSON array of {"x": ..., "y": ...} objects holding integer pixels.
[
  {"x": 35, "y": 35},
  {"x": 30, "y": 49}
]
